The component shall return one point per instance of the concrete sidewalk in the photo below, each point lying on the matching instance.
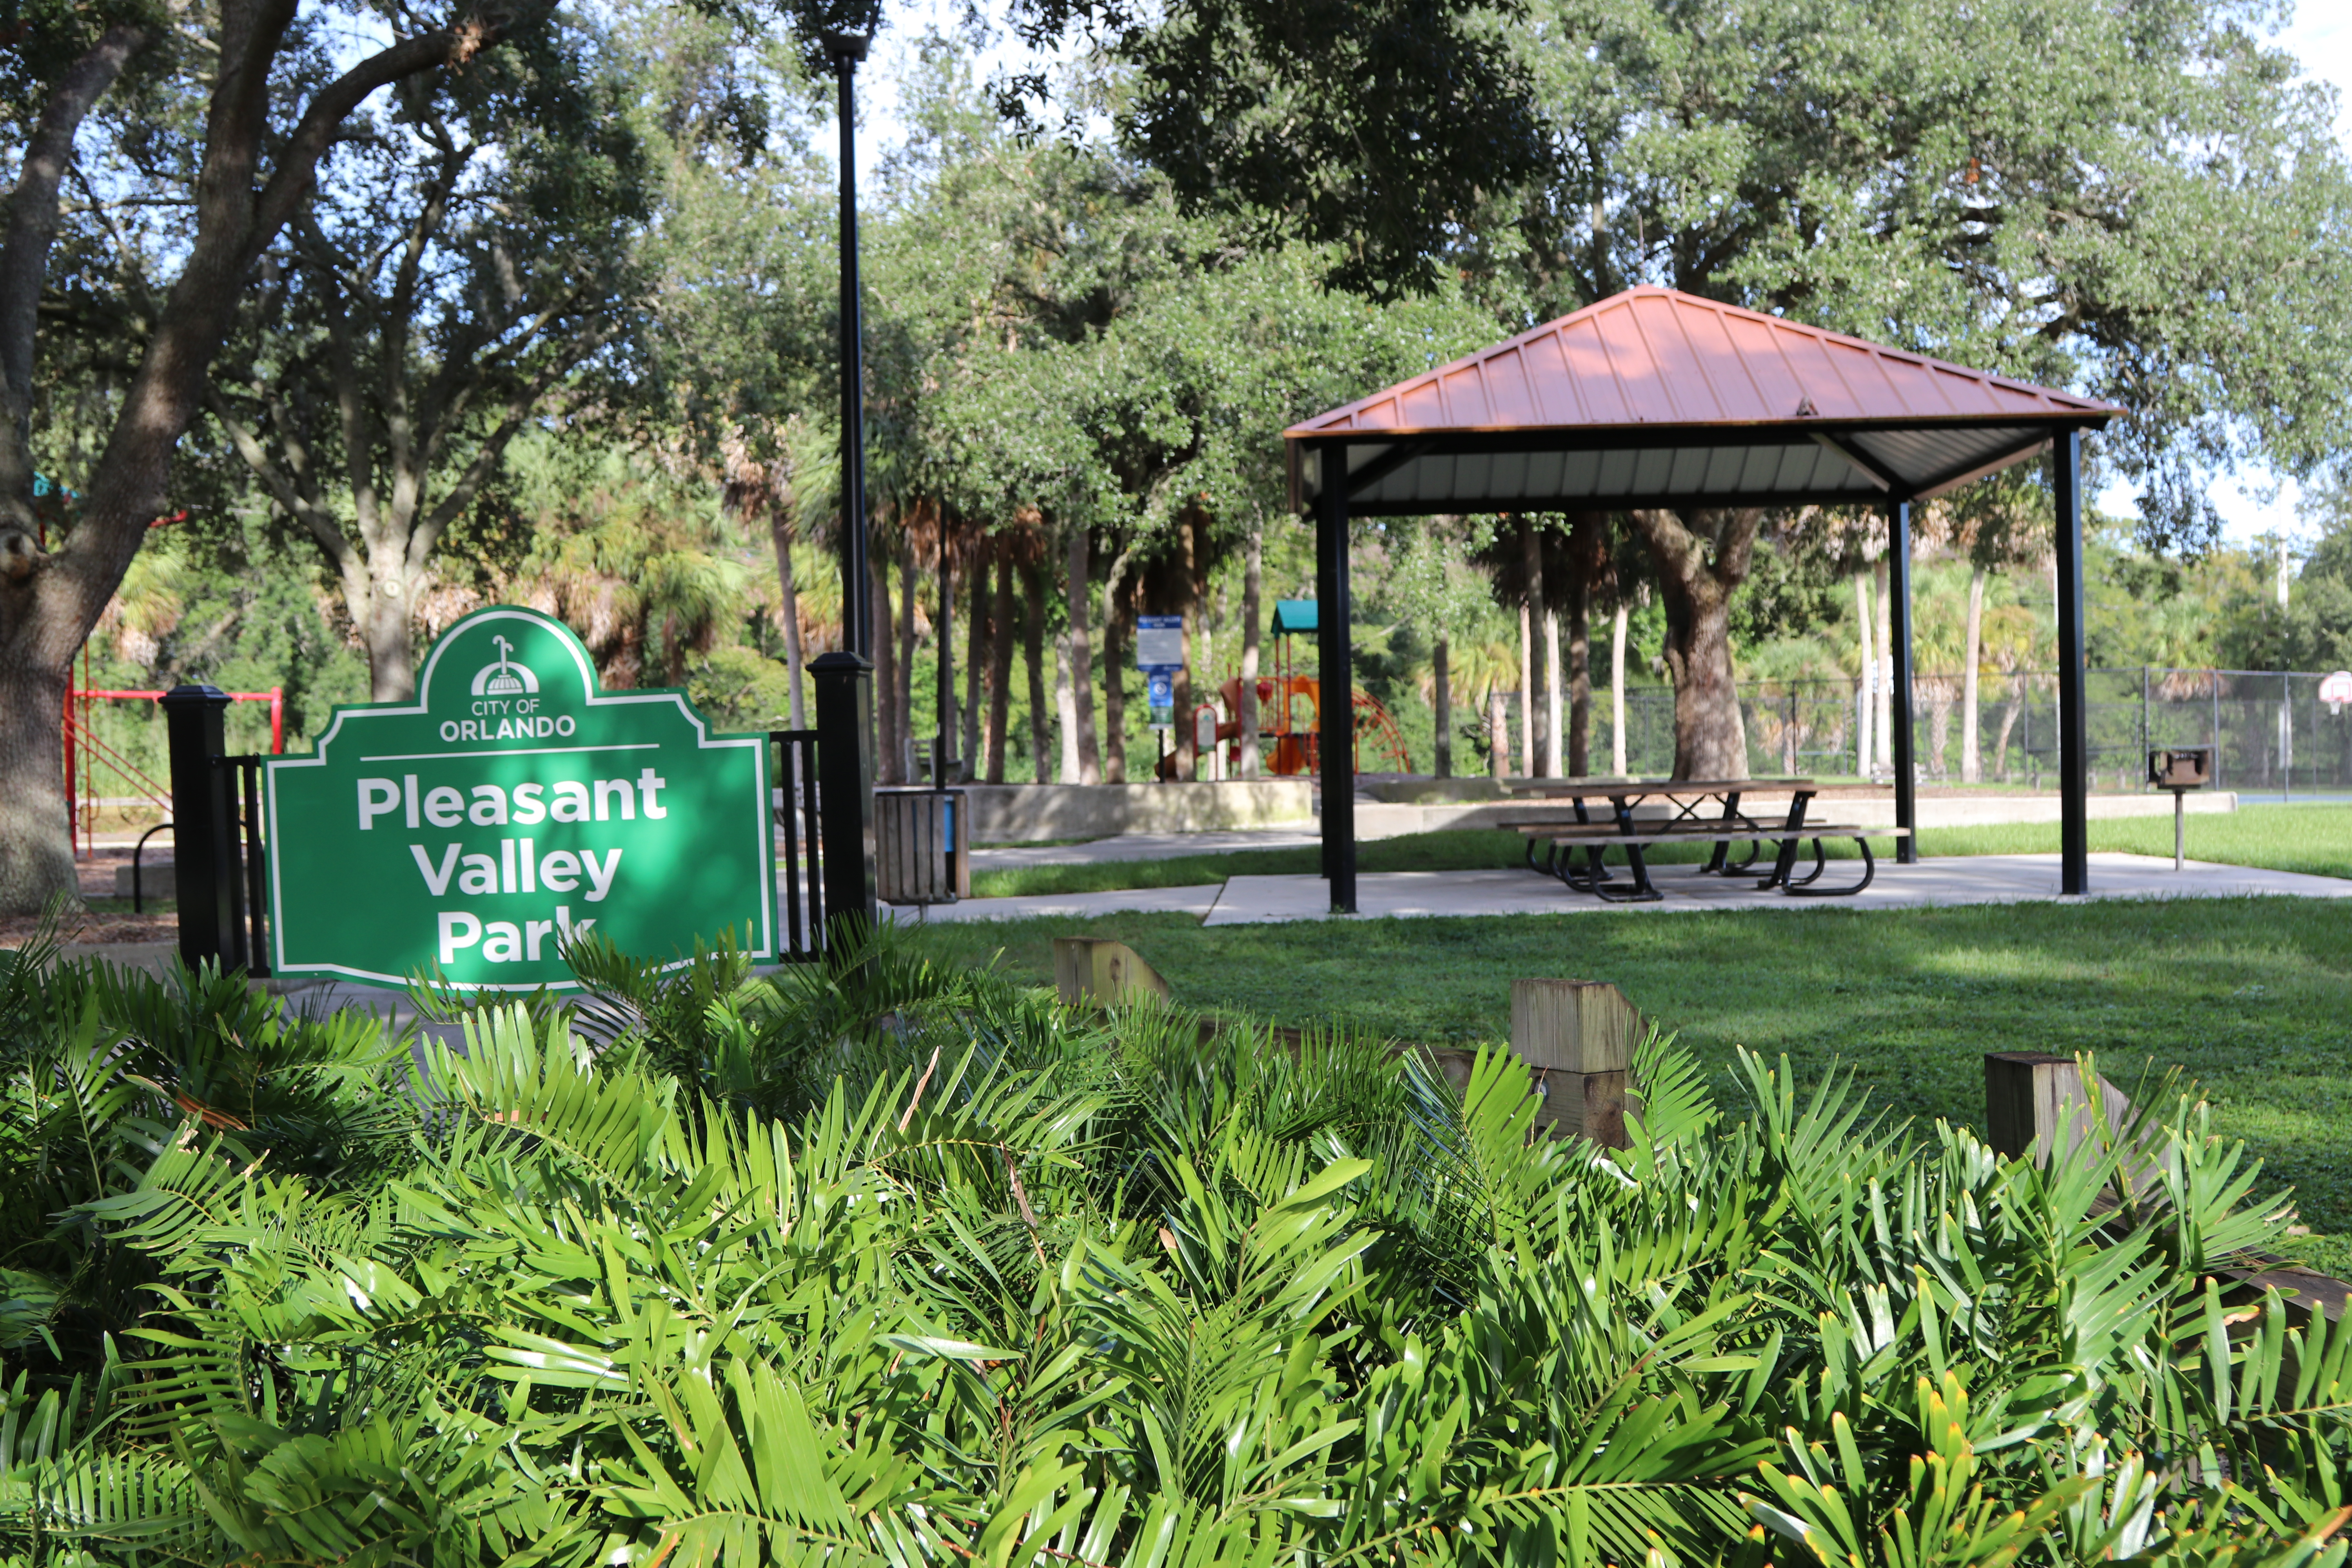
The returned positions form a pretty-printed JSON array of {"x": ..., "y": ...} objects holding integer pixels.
[
  {"x": 1142, "y": 846},
  {"x": 1194, "y": 901},
  {"x": 1971, "y": 879}
]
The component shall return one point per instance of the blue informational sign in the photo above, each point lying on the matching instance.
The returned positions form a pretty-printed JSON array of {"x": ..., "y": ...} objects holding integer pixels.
[{"x": 1159, "y": 696}]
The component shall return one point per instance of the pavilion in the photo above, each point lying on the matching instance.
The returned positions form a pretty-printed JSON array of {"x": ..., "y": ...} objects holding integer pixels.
[{"x": 1658, "y": 398}]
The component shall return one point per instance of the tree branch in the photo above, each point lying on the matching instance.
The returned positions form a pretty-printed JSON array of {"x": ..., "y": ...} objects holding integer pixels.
[
  {"x": 281, "y": 491},
  {"x": 518, "y": 408},
  {"x": 316, "y": 131},
  {"x": 33, "y": 210}
]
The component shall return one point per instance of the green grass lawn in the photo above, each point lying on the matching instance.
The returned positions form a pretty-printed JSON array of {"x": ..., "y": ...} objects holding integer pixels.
[
  {"x": 2313, "y": 838},
  {"x": 2252, "y": 996}
]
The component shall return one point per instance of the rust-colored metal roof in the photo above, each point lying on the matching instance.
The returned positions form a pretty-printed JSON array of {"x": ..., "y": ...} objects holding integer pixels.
[{"x": 1655, "y": 396}]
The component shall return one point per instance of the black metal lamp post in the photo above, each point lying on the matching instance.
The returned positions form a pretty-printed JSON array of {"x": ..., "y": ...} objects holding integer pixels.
[
  {"x": 844, "y": 679},
  {"x": 856, "y": 618}
]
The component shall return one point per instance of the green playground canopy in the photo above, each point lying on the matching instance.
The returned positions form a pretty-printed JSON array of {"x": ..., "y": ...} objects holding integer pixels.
[{"x": 1293, "y": 617}]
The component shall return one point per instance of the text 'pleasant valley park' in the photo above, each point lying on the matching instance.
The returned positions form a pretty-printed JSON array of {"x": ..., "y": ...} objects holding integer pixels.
[{"x": 518, "y": 866}]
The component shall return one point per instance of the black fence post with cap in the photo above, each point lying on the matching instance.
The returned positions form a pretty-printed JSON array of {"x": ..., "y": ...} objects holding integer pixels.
[
  {"x": 205, "y": 862},
  {"x": 845, "y": 762}
]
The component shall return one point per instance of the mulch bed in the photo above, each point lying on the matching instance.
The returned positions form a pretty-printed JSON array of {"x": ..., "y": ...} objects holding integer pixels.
[{"x": 108, "y": 924}]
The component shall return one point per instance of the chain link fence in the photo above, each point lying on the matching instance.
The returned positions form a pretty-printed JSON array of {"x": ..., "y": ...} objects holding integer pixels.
[{"x": 2271, "y": 732}]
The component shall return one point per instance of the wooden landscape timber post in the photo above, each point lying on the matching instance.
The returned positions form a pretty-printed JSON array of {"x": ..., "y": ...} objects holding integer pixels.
[
  {"x": 1096, "y": 970},
  {"x": 1577, "y": 1038},
  {"x": 2028, "y": 1097}
]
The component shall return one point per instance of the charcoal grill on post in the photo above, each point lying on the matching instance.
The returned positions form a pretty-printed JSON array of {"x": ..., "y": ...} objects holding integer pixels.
[{"x": 2181, "y": 770}]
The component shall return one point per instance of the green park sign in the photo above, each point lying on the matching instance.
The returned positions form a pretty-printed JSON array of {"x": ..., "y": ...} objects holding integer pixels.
[{"x": 511, "y": 807}]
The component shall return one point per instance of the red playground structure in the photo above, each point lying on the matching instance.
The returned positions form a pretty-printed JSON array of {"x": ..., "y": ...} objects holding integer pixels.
[{"x": 85, "y": 753}]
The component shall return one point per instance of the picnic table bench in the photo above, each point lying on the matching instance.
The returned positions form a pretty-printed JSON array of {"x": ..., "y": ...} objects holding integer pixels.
[{"x": 1646, "y": 813}]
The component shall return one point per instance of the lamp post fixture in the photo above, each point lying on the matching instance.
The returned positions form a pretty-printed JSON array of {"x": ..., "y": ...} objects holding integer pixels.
[
  {"x": 856, "y": 615},
  {"x": 845, "y": 681}
]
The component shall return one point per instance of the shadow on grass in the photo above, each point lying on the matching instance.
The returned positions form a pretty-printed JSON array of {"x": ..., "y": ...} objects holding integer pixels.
[{"x": 2249, "y": 995}]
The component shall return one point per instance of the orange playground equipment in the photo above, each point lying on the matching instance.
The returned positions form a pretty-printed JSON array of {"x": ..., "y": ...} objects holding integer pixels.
[{"x": 1295, "y": 737}]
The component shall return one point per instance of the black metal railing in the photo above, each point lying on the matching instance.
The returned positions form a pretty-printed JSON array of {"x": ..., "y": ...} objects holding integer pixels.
[
  {"x": 248, "y": 869},
  {"x": 795, "y": 802}
]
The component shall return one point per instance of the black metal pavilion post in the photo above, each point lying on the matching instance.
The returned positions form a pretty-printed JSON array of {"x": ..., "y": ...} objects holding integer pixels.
[
  {"x": 2073, "y": 715},
  {"x": 845, "y": 681},
  {"x": 1333, "y": 652},
  {"x": 1898, "y": 701}
]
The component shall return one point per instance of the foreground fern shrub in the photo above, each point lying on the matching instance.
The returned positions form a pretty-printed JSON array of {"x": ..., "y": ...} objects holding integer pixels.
[{"x": 885, "y": 1265}]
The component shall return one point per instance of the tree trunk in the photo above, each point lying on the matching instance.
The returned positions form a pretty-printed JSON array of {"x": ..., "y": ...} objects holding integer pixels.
[
  {"x": 49, "y": 601},
  {"x": 1587, "y": 553},
  {"x": 1081, "y": 663},
  {"x": 1551, "y": 682},
  {"x": 45, "y": 612},
  {"x": 1617, "y": 693},
  {"x": 889, "y": 717},
  {"x": 1498, "y": 734},
  {"x": 1579, "y": 679},
  {"x": 384, "y": 630},
  {"x": 1000, "y": 666},
  {"x": 1544, "y": 717},
  {"x": 1065, "y": 712},
  {"x": 1189, "y": 613},
  {"x": 780, "y": 533},
  {"x": 944, "y": 737},
  {"x": 1205, "y": 644},
  {"x": 2007, "y": 720},
  {"x": 1116, "y": 643},
  {"x": 1883, "y": 641},
  {"x": 1711, "y": 738},
  {"x": 36, "y": 841},
  {"x": 1971, "y": 762},
  {"x": 1440, "y": 707},
  {"x": 975, "y": 656},
  {"x": 1032, "y": 650},
  {"x": 1526, "y": 692},
  {"x": 1865, "y": 701},
  {"x": 906, "y": 670},
  {"x": 1252, "y": 600}
]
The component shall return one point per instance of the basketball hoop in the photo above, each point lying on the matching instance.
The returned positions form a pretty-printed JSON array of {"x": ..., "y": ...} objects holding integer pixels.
[{"x": 2336, "y": 690}]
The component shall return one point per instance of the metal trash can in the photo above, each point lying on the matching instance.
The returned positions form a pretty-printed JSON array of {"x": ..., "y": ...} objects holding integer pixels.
[{"x": 918, "y": 858}]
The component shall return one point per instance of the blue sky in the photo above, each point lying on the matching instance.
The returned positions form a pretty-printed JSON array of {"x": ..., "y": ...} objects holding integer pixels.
[{"x": 2251, "y": 504}]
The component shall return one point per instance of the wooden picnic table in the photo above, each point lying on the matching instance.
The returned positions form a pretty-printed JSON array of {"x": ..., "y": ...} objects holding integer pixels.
[{"x": 1650, "y": 811}]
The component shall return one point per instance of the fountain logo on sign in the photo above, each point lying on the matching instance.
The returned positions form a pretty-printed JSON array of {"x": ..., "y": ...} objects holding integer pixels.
[{"x": 513, "y": 806}]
